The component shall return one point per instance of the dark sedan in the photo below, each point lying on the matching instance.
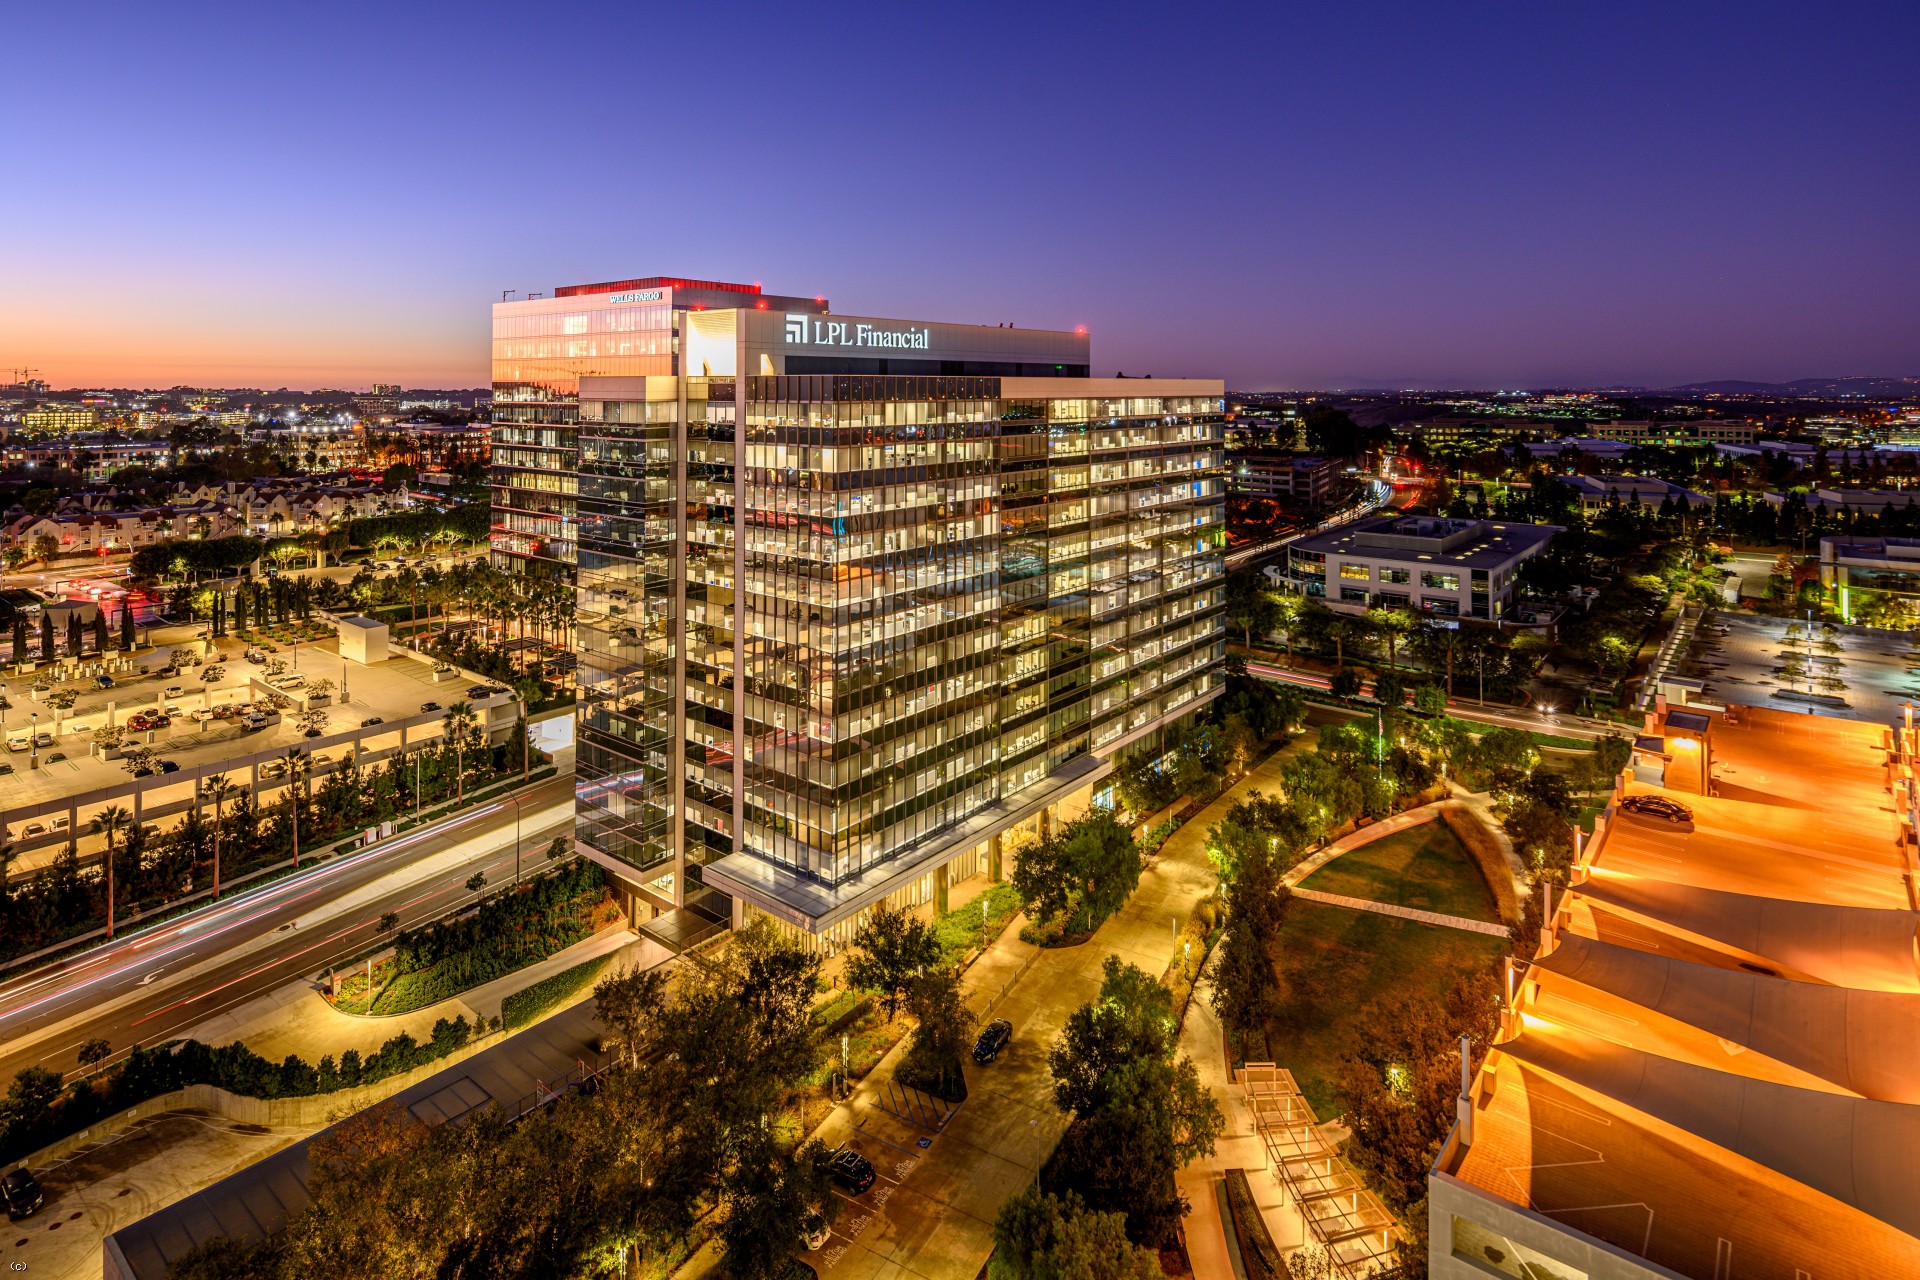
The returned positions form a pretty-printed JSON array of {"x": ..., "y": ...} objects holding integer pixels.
[
  {"x": 21, "y": 1190},
  {"x": 853, "y": 1171},
  {"x": 993, "y": 1038}
]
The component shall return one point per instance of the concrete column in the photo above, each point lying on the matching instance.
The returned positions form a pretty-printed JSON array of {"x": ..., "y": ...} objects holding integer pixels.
[
  {"x": 139, "y": 795},
  {"x": 940, "y": 889},
  {"x": 993, "y": 858}
]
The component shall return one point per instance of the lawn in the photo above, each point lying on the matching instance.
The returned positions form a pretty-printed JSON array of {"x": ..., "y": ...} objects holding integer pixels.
[
  {"x": 1424, "y": 867},
  {"x": 1333, "y": 963}
]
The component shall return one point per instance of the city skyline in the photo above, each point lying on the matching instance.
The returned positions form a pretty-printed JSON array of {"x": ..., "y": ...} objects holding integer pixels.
[{"x": 1401, "y": 200}]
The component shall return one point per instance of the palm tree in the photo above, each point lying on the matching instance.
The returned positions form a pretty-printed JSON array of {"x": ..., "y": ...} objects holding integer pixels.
[
  {"x": 297, "y": 770},
  {"x": 108, "y": 822},
  {"x": 456, "y": 724},
  {"x": 1392, "y": 624},
  {"x": 220, "y": 788},
  {"x": 1337, "y": 629}
]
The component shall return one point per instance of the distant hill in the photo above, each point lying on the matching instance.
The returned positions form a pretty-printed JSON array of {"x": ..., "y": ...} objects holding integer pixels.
[{"x": 1857, "y": 386}]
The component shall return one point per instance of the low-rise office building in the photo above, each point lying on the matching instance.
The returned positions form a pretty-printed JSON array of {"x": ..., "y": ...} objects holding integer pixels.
[
  {"x": 1683, "y": 434},
  {"x": 1597, "y": 493},
  {"x": 1297, "y": 479},
  {"x": 1854, "y": 564},
  {"x": 1707, "y": 1070},
  {"x": 1445, "y": 567},
  {"x": 1866, "y": 502}
]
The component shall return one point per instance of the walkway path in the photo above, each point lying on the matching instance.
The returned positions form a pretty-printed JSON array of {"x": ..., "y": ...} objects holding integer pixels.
[
  {"x": 931, "y": 1212},
  {"x": 1353, "y": 840},
  {"x": 1405, "y": 913}
]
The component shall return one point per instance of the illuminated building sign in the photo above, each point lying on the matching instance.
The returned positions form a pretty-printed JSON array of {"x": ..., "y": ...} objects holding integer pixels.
[
  {"x": 806, "y": 331},
  {"x": 644, "y": 295}
]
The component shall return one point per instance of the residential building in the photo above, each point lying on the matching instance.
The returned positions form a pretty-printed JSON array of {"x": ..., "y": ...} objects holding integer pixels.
[
  {"x": 1445, "y": 567},
  {"x": 1596, "y": 493},
  {"x": 106, "y": 531},
  {"x": 1298, "y": 479},
  {"x": 1707, "y": 1071},
  {"x": 863, "y": 600},
  {"x": 315, "y": 443}
]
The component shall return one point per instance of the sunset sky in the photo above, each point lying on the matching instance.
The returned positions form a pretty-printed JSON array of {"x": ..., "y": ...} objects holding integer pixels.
[{"x": 1377, "y": 195}]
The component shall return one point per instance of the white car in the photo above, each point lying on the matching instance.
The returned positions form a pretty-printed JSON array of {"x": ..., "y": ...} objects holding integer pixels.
[
  {"x": 175, "y": 691},
  {"x": 203, "y": 716},
  {"x": 173, "y": 708},
  {"x": 20, "y": 742},
  {"x": 79, "y": 726},
  {"x": 60, "y": 822}
]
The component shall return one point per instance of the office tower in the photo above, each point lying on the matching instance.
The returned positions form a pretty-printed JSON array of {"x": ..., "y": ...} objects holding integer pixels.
[{"x": 860, "y": 601}]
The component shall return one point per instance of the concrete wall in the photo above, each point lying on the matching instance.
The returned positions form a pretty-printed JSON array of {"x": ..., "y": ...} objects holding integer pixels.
[{"x": 1572, "y": 1255}]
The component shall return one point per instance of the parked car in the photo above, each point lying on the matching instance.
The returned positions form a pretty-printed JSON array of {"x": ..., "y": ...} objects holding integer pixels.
[
  {"x": 253, "y": 722},
  {"x": 993, "y": 1038},
  {"x": 167, "y": 672},
  {"x": 256, "y": 657},
  {"x": 371, "y": 721},
  {"x": 273, "y": 768},
  {"x": 103, "y": 682},
  {"x": 205, "y": 715},
  {"x": 169, "y": 766},
  {"x": 6, "y": 767},
  {"x": 35, "y": 829},
  {"x": 816, "y": 1229},
  {"x": 479, "y": 690},
  {"x": 79, "y": 726},
  {"x": 427, "y": 707},
  {"x": 60, "y": 821},
  {"x": 20, "y": 742},
  {"x": 23, "y": 1195},
  {"x": 853, "y": 1171},
  {"x": 56, "y": 757},
  {"x": 175, "y": 691},
  {"x": 1657, "y": 807},
  {"x": 44, "y": 738}
]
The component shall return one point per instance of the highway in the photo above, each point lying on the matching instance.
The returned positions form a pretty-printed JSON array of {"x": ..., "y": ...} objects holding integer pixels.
[{"x": 153, "y": 985}]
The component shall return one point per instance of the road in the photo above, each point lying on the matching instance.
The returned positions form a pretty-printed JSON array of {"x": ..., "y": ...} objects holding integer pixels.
[
  {"x": 152, "y": 986},
  {"x": 1377, "y": 495}
]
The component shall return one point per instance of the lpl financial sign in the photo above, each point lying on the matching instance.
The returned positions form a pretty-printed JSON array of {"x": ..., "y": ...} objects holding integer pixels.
[{"x": 810, "y": 331}]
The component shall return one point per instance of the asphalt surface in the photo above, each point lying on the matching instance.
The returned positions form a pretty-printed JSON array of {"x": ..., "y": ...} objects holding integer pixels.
[{"x": 155, "y": 985}]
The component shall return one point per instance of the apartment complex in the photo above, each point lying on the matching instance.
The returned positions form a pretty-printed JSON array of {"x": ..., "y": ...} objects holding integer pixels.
[
  {"x": 1708, "y": 1071},
  {"x": 1445, "y": 567},
  {"x": 856, "y": 597}
]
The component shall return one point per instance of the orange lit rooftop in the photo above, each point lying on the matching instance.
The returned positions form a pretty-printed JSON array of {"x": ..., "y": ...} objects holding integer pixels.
[{"x": 1711, "y": 1069}]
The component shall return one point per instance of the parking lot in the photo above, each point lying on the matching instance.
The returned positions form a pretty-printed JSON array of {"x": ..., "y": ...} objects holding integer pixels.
[
  {"x": 1740, "y": 655},
  {"x": 202, "y": 735}
]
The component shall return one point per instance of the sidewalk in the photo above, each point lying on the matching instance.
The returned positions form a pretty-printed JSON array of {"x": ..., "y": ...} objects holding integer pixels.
[
  {"x": 1405, "y": 913},
  {"x": 932, "y": 1213}
]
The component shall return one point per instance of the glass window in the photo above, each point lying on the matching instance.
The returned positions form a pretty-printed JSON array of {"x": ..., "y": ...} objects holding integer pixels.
[
  {"x": 1354, "y": 595},
  {"x": 1443, "y": 581},
  {"x": 1396, "y": 575},
  {"x": 1359, "y": 571}
]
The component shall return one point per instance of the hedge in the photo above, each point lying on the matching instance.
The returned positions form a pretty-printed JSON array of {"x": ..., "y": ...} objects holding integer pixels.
[
  {"x": 1487, "y": 855},
  {"x": 1260, "y": 1255},
  {"x": 36, "y": 1111},
  {"x": 523, "y": 1006}
]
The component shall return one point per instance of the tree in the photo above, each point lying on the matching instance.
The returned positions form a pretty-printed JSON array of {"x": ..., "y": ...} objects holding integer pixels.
[
  {"x": 1390, "y": 690},
  {"x": 94, "y": 1052},
  {"x": 46, "y": 636},
  {"x": 890, "y": 949},
  {"x": 942, "y": 1032},
  {"x": 1041, "y": 1236},
  {"x": 1251, "y": 604},
  {"x": 628, "y": 1005},
  {"x": 457, "y": 724},
  {"x": 299, "y": 767},
  {"x": 45, "y": 547},
  {"x": 1392, "y": 626},
  {"x": 1138, "y": 1115},
  {"x": 1088, "y": 868},
  {"x": 109, "y": 821},
  {"x": 220, "y": 789},
  {"x": 1246, "y": 988},
  {"x": 1430, "y": 700},
  {"x": 127, "y": 637},
  {"x": 769, "y": 1198},
  {"x": 1345, "y": 683}
]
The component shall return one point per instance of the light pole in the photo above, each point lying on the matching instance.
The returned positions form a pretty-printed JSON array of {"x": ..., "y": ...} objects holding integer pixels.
[
  {"x": 516, "y": 838},
  {"x": 33, "y": 759},
  {"x": 416, "y": 784}
]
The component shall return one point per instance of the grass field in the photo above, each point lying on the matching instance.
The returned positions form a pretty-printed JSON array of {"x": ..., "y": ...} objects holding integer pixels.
[
  {"x": 1424, "y": 867},
  {"x": 1333, "y": 963}
]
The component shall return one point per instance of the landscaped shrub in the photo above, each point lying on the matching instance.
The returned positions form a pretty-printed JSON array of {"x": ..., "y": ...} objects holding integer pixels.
[
  {"x": 523, "y": 926},
  {"x": 523, "y": 1006},
  {"x": 1487, "y": 856},
  {"x": 36, "y": 1112}
]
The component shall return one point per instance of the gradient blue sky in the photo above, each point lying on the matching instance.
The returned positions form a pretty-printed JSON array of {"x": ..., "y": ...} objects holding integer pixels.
[{"x": 1392, "y": 194}]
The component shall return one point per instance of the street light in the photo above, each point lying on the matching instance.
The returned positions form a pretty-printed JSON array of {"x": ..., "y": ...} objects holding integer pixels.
[{"x": 33, "y": 757}]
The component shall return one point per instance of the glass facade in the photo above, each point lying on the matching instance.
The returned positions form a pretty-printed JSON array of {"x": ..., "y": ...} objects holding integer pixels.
[
  {"x": 824, "y": 619},
  {"x": 892, "y": 602}
]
